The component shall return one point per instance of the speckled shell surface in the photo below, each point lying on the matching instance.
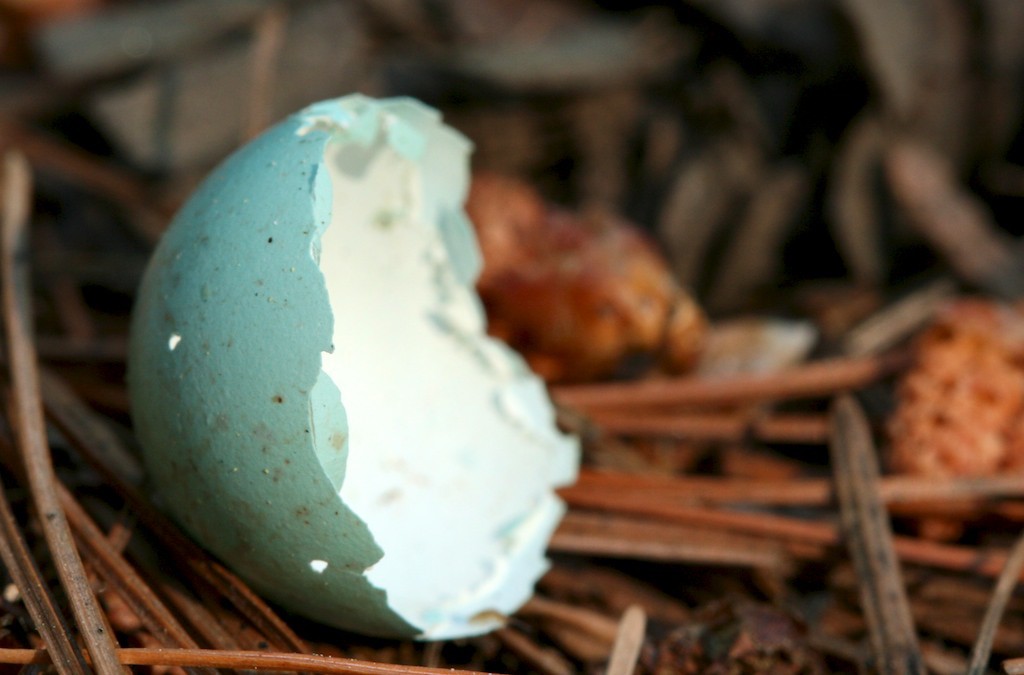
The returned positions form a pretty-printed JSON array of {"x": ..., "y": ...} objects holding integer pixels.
[{"x": 244, "y": 435}]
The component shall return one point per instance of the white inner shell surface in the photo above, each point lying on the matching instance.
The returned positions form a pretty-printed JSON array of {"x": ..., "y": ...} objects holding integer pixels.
[{"x": 451, "y": 450}]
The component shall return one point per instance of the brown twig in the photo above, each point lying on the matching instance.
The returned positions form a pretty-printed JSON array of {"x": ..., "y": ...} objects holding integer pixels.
[
  {"x": 715, "y": 426},
  {"x": 817, "y": 379},
  {"x": 620, "y": 536},
  {"x": 787, "y": 492},
  {"x": 869, "y": 538},
  {"x": 584, "y": 633},
  {"x": 897, "y": 321},
  {"x": 774, "y": 527},
  {"x": 544, "y": 659},
  {"x": 99, "y": 445},
  {"x": 117, "y": 573},
  {"x": 247, "y": 602},
  {"x": 1008, "y": 580},
  {"x": 50, "y": 623},
  {"x": 29, "y": 423},
  {"x": 243, "y": 660},
  {"x": 586, "y": 620},
  {"x": 760, "y": 524},
  {"x": 197, "y": 615},
  {"x": 628, "y": 642}
]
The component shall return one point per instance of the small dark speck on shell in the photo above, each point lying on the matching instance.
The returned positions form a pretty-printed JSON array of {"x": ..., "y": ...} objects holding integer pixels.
[{"x": 278, "y": 398}]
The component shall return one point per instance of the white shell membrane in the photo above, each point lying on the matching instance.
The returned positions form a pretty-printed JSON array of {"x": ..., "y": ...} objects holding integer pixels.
[{"x": 452, "y": 447}]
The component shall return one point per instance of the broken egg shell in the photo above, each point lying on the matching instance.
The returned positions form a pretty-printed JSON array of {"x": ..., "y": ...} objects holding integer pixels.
[{"x": 314, "y": 393}]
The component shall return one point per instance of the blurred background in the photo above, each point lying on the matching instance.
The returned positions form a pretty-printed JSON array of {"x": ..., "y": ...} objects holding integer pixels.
[{"x": 778, "y": 151}]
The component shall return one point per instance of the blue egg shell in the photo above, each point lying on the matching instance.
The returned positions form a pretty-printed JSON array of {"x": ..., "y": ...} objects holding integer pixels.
[{"x": 306, "y": 320}]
